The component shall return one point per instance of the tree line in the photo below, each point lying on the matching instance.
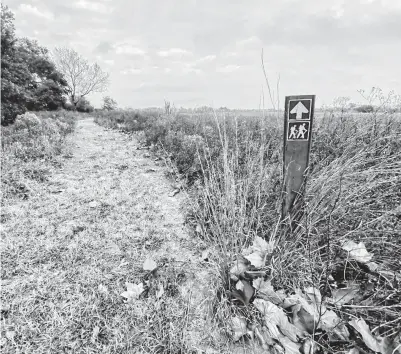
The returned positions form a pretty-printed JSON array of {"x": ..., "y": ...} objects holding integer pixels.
[{"x": 33, "y": 80}]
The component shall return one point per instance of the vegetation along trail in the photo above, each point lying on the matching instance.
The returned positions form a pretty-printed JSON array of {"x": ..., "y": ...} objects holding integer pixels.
[{"x": 79, "y": 257}]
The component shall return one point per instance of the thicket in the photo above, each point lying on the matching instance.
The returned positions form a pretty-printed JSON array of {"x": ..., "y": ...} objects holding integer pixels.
[
  {"x": 233, "y": 168},
  {"x": 30, "y": 148}
]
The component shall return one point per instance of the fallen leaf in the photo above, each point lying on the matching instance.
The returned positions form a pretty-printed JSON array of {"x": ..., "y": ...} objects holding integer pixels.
[
  {"x": 93, "y": 204},
  {"x": 112, "y": 248},
  {"x": 345, "y": 295},
  {"x": 10, "y": 335},
  {"x": 353, "y": 351},
  {"x": 133, "y": 291},
  {"x": 261, "y": 245},
  {"x": 256, "y": 259},
  {"x": 239, "y": 285},
  {"x": 372, "y": 266},
  {"x": 149, "y": 265},
  {"x": 198, "y": 229},
  {"x": 95, "y": 333},
  {"x": 248, "y": 290},
  {"x": 102, "y": 289},
  {"x": 377, "y": 344},
  {"x": 238, "y": 326},
  {"x": 174, "y": 192},
  {"x": 160, "y": 292},
  {"x": 243, "y": 292},
  {"x": 275, "y": 315},
  {"x": 239, "y": 267},
  {"x": 357, "y": 251},
  {"x": 302, "y": 319},
  {"x": 308, "y": 347},
  {"x": 205, "y": 255},
  {"x": 290, "y": 346},
  {"x": 266, "y": 291}
]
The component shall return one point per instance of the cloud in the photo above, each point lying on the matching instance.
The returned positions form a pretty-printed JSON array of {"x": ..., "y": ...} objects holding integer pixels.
[
  {"x": 93, "y": 6},
  {"x": 174, "y": 52},
  {"x": 133, "y": 71},
  {"x": 206, "y": 59},
  {"x": 228, "y": 68},
  {"x": 129, "y": 49},
  {"x": 201, "y": 50},
  {"x": 189, "y": 70},
  {"x": 103, "y": 47},
  {"x": 33, "y": 10},
  {"x": 250, "y": 42}
]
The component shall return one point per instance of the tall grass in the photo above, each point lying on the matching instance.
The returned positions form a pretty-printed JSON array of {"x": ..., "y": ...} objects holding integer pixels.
[
  {"x": 233, "y": 167},
  {"x": 30, "y": 147}
]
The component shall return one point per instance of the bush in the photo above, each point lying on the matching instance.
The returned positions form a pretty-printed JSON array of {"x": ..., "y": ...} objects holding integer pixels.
[
  {"x": 84, "y": 106},
  {"x": 367, "y": 108},
  {"x": 29, "y": 147}
]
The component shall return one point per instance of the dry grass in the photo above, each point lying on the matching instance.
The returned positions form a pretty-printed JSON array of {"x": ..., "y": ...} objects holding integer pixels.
[
  {"x": 234, "y": 172},
  {"x": 69, "y": 249}
]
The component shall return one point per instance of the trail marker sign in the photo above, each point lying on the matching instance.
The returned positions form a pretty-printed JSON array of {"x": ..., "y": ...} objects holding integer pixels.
[{"x": 298, "y": 119}]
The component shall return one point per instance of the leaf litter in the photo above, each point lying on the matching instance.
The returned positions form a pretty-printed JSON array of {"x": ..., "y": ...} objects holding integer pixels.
[{"x": 292, "y": 321}]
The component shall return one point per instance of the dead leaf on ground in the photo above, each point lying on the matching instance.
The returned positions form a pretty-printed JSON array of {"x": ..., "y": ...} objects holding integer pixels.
[
  {"x": 345, "y": 295},
  {"x": 308, "y": 347},
  {"x": 239, "y": 285},
  {"x": 238, "y": 326},
  {"x": 174, "y": 192},
  {"x": 239, "y": 267},
  {"x": 353, "y": 351},
  {"x": 244, "y": 292},
  {"x": 205, "y": 255},
  {"x": 256, "y": 259},
  {"x": 112, "y": 248},
  {"x": 93, "y": 204},
  {"x": 266, "y": 291},
  {"x": 275, "y": 316},
  {"x": 133, "y": 291},
  {"x": 95, "y": 333},
  {"x": 10, "y": 335},
  {"x": 160, "y": 292},
  {"x": 357, "y": 251},
  {"x": 102, "y": 289},
  {"x": 377, "y": 344},
  {"x": 198, "y": 228},
  {"x": 149, "y": 265}
]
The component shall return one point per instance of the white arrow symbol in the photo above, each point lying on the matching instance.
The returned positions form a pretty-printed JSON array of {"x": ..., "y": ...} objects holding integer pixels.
[{"x": 298, "y": 110}]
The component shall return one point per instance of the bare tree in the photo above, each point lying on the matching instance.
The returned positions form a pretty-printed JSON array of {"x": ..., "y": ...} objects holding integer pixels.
[{"x": 82, "y": 78}]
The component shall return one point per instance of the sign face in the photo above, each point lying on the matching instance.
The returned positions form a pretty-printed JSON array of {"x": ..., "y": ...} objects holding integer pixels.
[{"x": 298, "y": 118}]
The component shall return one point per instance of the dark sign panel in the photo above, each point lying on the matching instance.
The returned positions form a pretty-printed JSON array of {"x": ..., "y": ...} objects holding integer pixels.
[{"x": 298, "y": 120}]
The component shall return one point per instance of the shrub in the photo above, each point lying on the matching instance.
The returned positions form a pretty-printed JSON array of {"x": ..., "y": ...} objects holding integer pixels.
[
  {"x": 29, "y": 147},
  {"x": 84, "y": 106},
  {"x": 366, "y": 108}
]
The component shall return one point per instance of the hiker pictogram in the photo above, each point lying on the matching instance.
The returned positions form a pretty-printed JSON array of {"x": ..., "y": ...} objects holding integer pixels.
[
  {"x": 298, "y": 131},
  {"x": 301, "y": 131}
]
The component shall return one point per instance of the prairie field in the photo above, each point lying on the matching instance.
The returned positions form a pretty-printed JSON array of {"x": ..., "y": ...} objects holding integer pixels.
[
  {"x": 346, "y": 246},
  {"x": 162, "y": 233}
]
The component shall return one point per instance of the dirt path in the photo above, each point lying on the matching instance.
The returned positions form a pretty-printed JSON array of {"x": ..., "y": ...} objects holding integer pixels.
[{"x": 69, "y": 250}]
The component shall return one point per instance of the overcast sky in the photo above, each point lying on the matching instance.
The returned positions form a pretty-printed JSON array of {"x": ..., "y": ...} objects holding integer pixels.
[{"x": 207, "y": 52}]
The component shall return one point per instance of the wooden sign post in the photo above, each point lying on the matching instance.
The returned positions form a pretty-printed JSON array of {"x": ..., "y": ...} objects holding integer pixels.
[{"x": 298, "y": 119}]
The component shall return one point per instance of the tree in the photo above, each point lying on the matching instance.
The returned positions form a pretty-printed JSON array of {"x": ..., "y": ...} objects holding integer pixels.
[
  {"x": 109, "y": 104},
  {"x": 29, "y": 79},
  {"x": 83, "y": 105},
  {"x": 82, "y": 78}
]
